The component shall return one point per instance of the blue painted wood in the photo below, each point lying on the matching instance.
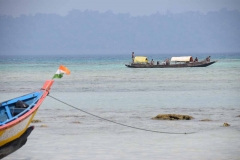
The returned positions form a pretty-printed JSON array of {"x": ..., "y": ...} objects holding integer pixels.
[
  {"x": 31, "y": 99},
  {"x": 3, "y": 115},
  {"x": 17, "y": 110},
  {"x": 25, "y": 97},
  {"x": 7, "y": 110}
]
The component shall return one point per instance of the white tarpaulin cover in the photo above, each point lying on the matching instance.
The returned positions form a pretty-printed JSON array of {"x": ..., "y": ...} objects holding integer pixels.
[{"x": 182, "y": 59}]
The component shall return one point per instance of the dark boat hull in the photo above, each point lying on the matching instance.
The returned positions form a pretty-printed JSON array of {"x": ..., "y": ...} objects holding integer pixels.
[
  {"x": 194, "y": 64},
  {"x": 11, "y": 147}
]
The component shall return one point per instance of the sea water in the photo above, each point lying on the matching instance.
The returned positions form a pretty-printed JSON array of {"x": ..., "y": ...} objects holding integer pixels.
[{"x": 103, "y": 86}]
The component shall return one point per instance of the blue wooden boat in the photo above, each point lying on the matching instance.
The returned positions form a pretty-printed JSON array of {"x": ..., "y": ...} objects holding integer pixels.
[{"x": 15, "y": 117}]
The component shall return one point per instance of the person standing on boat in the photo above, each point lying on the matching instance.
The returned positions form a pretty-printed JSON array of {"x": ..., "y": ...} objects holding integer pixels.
[
  {"x": 208, "y": 59},
  {"x": 133, "y": 57},
  {"x": 196, "y": 59},
  {"x": 152, "y": 62},
  {"x": 167, "y": 61}
]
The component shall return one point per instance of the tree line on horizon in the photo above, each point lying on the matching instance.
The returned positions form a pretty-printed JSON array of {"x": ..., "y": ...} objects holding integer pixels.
[{"x": 94, "y": 32}]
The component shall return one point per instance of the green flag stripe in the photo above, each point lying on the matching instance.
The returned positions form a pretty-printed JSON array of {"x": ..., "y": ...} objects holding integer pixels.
[{"x": 58, "y": 75}]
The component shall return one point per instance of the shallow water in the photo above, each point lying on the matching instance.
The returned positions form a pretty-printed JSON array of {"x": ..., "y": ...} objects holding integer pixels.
[{"x": 132, "y": 97}]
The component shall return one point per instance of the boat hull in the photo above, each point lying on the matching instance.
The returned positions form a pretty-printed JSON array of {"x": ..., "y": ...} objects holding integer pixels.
[
  {"x": 16, "y": 144},
  {"x": 193, "y": 64},
  {"x": 15, "y": 119},
  {"x": 15, "y": 131}
]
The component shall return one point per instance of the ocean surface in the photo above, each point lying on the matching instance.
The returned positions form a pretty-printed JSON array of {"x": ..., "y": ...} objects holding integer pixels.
[{"x": 103, "y": 86}]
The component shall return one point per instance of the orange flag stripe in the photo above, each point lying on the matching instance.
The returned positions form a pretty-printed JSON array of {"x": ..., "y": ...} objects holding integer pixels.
[{"x": 65, "y": 69}]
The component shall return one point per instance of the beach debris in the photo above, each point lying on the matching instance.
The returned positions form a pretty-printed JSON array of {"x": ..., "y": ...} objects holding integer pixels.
[
  {"x": 77, "y": 122},
  {"x": 43, "y": 125},
  {"x": 206, "y": 120},
  {"x": 226, "y": 125},
  {"x": 36, "y": 121},
  {"x": 172, "y": 117}
]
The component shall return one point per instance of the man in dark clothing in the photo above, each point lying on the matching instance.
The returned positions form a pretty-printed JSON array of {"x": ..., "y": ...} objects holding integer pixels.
[{"x": 133, "y": 56}]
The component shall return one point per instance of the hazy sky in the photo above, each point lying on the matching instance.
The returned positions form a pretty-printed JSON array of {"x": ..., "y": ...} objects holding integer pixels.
[{"x": 134, "y": 7}]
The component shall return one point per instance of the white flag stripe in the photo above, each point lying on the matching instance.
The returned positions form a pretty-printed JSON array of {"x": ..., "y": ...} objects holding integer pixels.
[{"x": 60, "y": 71}]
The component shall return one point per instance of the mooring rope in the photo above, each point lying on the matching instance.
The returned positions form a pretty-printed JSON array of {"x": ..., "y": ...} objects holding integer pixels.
[{"x": 117, "y": 122}]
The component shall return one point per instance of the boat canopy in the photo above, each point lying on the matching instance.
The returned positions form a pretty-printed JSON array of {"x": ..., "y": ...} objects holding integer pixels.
[
  {"x": 140, "y": 59},
  {"x": 182, "y": 59}
]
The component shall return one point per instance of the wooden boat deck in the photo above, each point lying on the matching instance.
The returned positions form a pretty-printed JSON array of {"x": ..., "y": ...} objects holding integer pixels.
[{"x": 175, "y": 65}]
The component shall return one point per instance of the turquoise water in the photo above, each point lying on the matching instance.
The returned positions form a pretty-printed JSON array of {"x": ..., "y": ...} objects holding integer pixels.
[{"x": 103, "y": 86}]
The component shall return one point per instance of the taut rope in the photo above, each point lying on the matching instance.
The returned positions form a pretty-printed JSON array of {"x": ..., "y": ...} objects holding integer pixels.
[{"x": 117, "y": 122}]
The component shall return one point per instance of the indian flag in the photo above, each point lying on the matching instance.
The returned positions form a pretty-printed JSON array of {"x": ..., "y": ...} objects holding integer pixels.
[{"x": 61, "y": 70}]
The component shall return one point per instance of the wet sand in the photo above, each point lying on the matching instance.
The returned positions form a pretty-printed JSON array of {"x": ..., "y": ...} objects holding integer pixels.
[{"x": 65, "y": 133}]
